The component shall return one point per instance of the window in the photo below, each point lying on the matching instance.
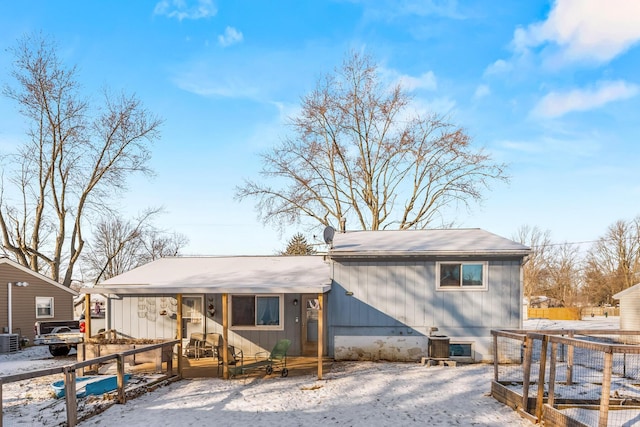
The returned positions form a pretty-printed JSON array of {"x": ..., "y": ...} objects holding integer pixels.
[
  {"x": 44, "y": 307},
  {"x": 461, "y": 275},
  {"x": 460, "y": 350},
  {"x": 256, "y": 312}
]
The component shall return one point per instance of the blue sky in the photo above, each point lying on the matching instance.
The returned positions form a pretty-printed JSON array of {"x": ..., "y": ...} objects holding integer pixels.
[{"x": 549, "y": 87}]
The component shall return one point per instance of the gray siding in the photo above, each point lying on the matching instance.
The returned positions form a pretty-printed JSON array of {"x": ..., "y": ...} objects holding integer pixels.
[
  {"x": 399, "y": 298},
  {"x": 124, "y": 318}
]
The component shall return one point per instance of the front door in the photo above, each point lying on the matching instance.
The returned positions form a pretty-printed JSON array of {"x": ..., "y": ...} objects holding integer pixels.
[
  {"x": 192, "y": 318},
  {"x": 310, "y": 309}
]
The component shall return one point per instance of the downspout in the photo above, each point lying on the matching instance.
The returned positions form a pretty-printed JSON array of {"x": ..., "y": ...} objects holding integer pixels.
[
  {"x": 525, "y": 259},
  {"x": 9, "y": 304},
  {"x": 320, "y": 333}
]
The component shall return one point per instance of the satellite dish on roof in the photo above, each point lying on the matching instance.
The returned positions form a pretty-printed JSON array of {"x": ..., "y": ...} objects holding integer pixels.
[{"x": 329, "y": 231}]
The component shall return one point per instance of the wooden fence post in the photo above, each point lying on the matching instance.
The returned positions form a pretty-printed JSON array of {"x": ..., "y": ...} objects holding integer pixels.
[
  {"x": 121, "y": 383},
  {"x": 70, "y": 395},
  {"x": 541, "y": 375},
  {"x": 552, "y": 372},
  {"x": 169, "y": 361},
  {"x": 495, "y": 356},
  {"x": 603, "y": 418},
  {"x": 526, "y": 372},
  {"x": 1, "y": 410},
  {"x": 570, "y": 360}
]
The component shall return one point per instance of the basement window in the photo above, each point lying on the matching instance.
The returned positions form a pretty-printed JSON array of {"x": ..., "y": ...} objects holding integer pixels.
[
  {"x": 256, "y": 312},
  {"x": 461, "y": 350},
  {"x": 461, "y": 275}
]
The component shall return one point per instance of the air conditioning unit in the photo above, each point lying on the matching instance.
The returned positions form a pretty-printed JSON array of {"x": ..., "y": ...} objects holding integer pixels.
[
  {"x": 439, "y": 347},
  {"x": 8, "y": 343}
]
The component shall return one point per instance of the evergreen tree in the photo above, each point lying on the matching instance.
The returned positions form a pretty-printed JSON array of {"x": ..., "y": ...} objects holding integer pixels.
[{"x": 298, "y": 245}]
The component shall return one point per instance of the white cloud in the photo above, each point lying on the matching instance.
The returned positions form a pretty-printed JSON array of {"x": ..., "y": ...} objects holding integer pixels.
[
  {"x": 545, "y": 147},
  {"x": 482, "y": 91},
  {"x": 230, "y": 36},
  {"x": 425, "y": 81},
  {"x": 185, "y": 9},
  {"x": 592, "y": 30},
  {"x": 498, "y": 67},
  {"x": 556, "y": 104}
]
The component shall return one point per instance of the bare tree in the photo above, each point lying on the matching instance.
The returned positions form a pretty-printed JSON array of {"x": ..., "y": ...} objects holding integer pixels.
[
  {"x": 565, "y": 274},
  {"x": 118, "y": 246},
  {"x": 357, "y": 154},
  {"x": 613, "y": 263},
  {"x": 537, "y": 270},
  {"x": 74, "y": 160}
]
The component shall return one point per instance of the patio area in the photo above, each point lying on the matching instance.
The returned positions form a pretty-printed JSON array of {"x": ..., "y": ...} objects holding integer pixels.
[{"x": 207, "y": 367}]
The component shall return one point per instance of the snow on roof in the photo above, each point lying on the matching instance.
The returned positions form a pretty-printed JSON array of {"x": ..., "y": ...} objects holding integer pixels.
[
  {"x": 238, "y": 274},
  {"x": 629, "y": 290},
  {"x": 463, "y": 241}
]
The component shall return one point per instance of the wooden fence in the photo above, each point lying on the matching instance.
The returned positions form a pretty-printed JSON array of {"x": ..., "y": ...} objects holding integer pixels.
[
  {"x": 69, "y": 372},
  {"x": 569, "y": 377},
  {"x": 571, "y": 313}
]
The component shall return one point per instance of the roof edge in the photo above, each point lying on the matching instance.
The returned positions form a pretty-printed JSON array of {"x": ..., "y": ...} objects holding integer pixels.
[{"x": 5, "y": 260}]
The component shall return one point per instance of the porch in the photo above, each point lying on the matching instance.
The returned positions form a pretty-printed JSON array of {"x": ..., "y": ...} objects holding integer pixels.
[{"x": 207, "y": 367}]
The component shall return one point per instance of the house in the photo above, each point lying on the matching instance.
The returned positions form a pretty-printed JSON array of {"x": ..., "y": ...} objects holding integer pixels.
[
  {"x": 97, "y": 309},
  {"x": 391, "y": 290},
  {"x": 629, "y": 307},
  {"x": 374, "y": 295},
  {"x": 267, "y": 299},
  {"x": 28, "y": 297}
]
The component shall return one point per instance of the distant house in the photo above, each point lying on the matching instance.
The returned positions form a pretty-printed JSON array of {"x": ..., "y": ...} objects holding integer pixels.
[
  {"x": 376, "y": 295},
  {"x": 543, "y": 301},
  {"x": 629, "y": 307},
  {"x": 28, "y": 296}
]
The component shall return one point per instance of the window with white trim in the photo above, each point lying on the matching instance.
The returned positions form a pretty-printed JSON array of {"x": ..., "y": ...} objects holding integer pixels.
[
  {"x": 44, "y": 307},
  {"x": 257, "y": 312},
  {"x": 461, "y": 275}
]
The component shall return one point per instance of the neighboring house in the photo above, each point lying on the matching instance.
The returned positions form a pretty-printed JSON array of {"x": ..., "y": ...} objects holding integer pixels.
[
  {"x": 543, "y": 301},
  {"x": 384, "y": 293},
  {"x": 629, "y": 307},
  {"x": 97, "y": 310},
  {"x": 28, "y": 296}
]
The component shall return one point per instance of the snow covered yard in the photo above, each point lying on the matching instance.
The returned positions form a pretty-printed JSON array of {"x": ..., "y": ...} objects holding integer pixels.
[{"x": 351, "y": 394}]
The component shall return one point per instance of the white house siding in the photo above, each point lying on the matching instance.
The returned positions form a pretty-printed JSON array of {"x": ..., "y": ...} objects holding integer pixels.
[
  {"x": 128, "y": 318},
  {"x": 630, "y": 309},
  {"x": 395, "y": 304}
]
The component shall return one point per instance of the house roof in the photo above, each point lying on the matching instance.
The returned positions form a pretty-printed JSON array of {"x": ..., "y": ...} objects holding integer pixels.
[
  {"x": 238, "y": 274},
  {"x": 7, "y": 261},
  {"x": 461, "y": 242},
  {"x": 629, "y": 290}
]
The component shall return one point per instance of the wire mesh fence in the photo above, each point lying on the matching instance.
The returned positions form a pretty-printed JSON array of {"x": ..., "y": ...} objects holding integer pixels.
[{"x": 569, "y": 377}]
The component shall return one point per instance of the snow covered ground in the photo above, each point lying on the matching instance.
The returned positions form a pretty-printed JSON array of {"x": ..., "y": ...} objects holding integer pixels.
[{"x": 350, "y": 394}]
